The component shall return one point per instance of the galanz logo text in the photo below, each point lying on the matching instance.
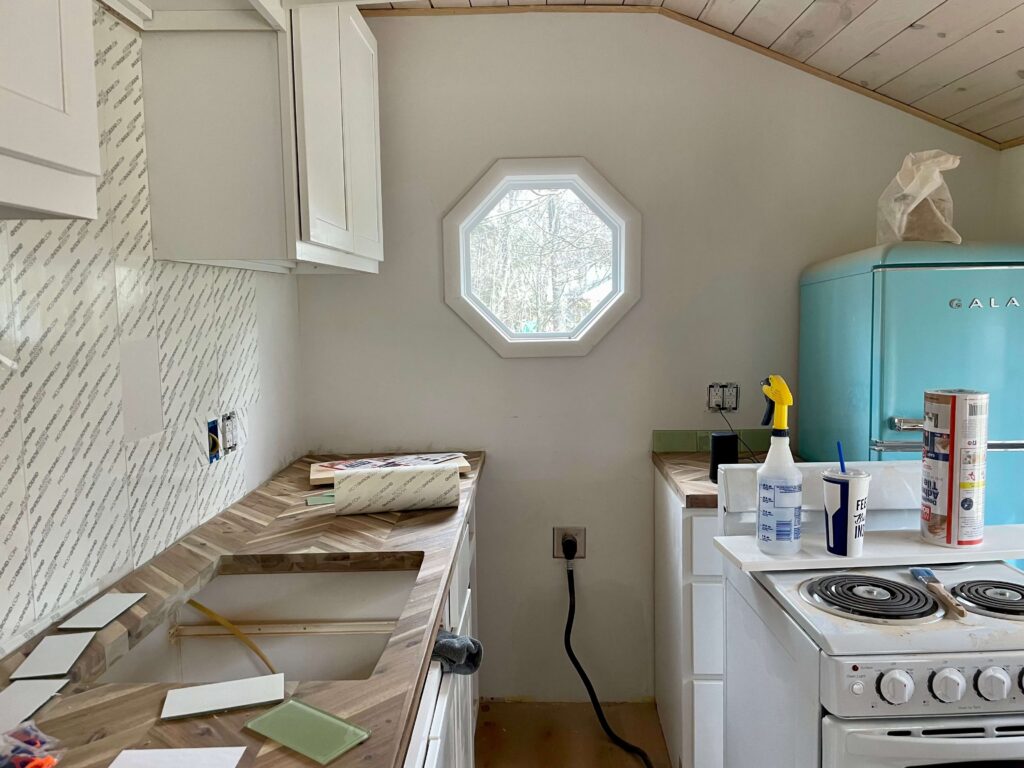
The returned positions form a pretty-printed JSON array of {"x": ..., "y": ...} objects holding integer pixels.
[{"x": 990, "y": 303}]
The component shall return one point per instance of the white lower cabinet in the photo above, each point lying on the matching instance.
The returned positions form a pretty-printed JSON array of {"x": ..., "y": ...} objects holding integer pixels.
[
  {"x": 445, "y": 726},
  {"x": 688, "y": 630},
  {"x": 708, "y": 723}
]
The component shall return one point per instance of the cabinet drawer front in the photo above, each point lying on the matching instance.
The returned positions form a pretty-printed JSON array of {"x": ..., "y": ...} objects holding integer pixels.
[
  {"x": 444, "y": 707},
  {"x": 708, "y": 629},
  {"x": 708, "y": 724},
  {"x": 705, "y": 559},
  {"x": 419, "y": 741},
  {"x": 459, "y": 586}
]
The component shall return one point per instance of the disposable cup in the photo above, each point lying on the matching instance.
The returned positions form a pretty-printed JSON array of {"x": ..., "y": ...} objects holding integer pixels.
[{"x": 846, "y": 510}]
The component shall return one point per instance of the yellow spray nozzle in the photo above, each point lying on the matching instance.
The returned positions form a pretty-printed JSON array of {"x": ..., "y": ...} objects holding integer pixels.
[{"x": 776, "y": 394}]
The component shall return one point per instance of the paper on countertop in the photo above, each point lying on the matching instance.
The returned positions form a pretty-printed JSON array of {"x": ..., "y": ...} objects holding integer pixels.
[
  {"x": 396, "y": 489},
  {"x": 223, "y": 696},
  {"x": 208, "y": 757},
  {"x": 55, "y": 655},
  {"x": 101, "y": 612},
  {"x": 20, "y": 700}
]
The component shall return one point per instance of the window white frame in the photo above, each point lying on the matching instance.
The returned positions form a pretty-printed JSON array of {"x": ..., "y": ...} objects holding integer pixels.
[{"x": 573, "y": 173}]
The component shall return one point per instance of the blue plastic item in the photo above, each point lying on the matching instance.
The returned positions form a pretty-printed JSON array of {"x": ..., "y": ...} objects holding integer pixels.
[{"x": 879, "y": 327}]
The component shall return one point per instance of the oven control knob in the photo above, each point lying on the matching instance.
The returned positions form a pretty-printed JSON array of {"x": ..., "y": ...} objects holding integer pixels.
[
  {"x": 993, "y": 683},
  {"x": 896, "y": 686},
  {"x": 948, "y": 685}
]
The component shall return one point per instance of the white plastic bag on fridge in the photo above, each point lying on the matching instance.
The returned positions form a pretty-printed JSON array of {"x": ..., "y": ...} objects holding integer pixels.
[{"x": 917, "y": 205}]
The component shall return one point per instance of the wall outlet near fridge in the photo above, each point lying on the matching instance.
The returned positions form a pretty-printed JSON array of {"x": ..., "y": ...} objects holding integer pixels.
[
  {"x": 581, "y": 541},
  {"x": 723, "y": 397}
]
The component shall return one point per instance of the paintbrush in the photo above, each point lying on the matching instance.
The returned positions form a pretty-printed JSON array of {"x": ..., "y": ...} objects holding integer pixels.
[{"x": 931, "y": 581}]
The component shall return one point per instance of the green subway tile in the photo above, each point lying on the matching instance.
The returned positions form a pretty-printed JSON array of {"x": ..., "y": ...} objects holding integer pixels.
[
  {"x": 690, "y": 440},
  {"x": 674, "y": 440},
  {"x": 704, "y": 441},
  {"x": 757, "y": 439}
]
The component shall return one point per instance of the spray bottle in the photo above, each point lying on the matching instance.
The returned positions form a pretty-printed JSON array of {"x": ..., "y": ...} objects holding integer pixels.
[{"x": 779, "y": 482}]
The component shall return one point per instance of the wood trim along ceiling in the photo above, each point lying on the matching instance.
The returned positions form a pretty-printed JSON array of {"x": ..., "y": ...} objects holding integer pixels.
[{"x": 958, "y": 64}]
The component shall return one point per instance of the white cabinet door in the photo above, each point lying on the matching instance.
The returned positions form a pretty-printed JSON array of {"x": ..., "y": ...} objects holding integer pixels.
[
  {"x": 419, "y": 742},
  {"x": 705, "y": 558},
  {"x": 48, "y": 103},
  {"x": 47, "y": 84},
  {"x": 708, "y": 724},
  {"x": 444, "y": 736},
  {"x": 320, "y": 126},
  {"x": 669, "y": 642},
  {"x": 362, "y": 132},
  {"x": 708, "y": 629},
  {"x": 466, "y": 712}
]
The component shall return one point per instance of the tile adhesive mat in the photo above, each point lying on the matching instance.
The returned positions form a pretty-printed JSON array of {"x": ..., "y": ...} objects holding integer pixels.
[
  {"x": 318, "y": 735},
  {"x": 79, "y": 502}
]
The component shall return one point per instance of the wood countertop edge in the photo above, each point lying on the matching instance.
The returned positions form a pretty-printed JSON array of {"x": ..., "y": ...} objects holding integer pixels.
[
  {"x": 687, "y": 475},
  {"x": 268, "y": 530}
]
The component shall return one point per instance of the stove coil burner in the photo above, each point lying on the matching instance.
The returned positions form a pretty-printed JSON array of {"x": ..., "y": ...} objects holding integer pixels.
[
  {"x": 999, "y": 599},
  {"x": 869, "y": 598}
]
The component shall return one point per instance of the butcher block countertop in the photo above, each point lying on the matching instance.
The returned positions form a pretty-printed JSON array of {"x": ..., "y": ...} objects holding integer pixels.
[
  {"x": 270, "y": 530},
  {"x": 687, "y": 474}
]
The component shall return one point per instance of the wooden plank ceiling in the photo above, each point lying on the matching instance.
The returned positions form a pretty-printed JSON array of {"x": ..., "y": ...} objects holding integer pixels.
[{"x": 957, "y": 62}]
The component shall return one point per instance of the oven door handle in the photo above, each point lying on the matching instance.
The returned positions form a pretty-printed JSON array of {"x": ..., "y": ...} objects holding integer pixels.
[{"x": 948, "y": 750}]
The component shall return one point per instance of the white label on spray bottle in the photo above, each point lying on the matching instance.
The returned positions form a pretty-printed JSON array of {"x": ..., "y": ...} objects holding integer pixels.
[{"x": 778, "y": 511}]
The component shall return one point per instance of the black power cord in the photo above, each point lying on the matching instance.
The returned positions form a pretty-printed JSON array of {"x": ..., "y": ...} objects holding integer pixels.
[{"x": 569, "y": 546}]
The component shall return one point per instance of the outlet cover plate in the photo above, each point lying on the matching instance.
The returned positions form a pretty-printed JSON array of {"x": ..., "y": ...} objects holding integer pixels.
[
  {"x": 723, "y": 396},
  {"x": 581, "y": 541}
]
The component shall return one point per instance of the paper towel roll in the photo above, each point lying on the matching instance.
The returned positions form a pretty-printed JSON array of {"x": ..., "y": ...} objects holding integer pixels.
[{"x": 395, "y": 489}]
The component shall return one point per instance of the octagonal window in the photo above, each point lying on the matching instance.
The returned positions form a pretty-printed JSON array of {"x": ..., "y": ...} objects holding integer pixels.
[{"x": 542, "y": 257}]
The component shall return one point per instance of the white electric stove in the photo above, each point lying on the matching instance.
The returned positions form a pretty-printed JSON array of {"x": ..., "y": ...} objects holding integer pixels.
[{"x": 862, "y": 668}]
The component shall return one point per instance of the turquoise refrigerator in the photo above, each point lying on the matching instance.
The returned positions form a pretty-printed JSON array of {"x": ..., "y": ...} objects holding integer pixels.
[{"x": 880, "y": 326}]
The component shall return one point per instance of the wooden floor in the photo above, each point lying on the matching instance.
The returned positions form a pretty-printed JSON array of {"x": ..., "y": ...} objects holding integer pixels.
[{"x": 542, "y": 735}]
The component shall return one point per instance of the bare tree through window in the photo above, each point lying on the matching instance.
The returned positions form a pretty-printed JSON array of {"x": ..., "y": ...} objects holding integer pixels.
[{"x": 541, "y": 260}]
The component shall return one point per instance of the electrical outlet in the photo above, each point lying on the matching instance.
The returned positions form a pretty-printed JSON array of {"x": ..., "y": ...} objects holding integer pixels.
[
  {"x": 730, "y": 396},
  {"x": 723, "y": 397},
  {"x": 715, "y": 397},
  {"x": 229, "y": 438},
  {"x": 581, "y": 541}
]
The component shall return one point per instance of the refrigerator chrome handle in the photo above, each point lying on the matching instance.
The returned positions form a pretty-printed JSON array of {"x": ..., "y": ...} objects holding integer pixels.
[
  {"x": 914, "y": 446},
  {"x": 906, "y": 424},
  {"x": 896, "y": 446}
]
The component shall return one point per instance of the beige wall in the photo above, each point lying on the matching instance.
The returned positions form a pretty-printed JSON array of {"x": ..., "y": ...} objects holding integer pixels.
[
  {"x": 745, "y": 171},
  {"x": 1011, "y": 193}
]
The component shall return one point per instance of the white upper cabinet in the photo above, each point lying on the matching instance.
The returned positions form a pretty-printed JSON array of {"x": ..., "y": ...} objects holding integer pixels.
[
  {"x": 264, "y": 145},
  {"x": 320, "y": 126},
  {"x": 49, "y": 141},
  {"x": 362, "y": 127},
  {"x": 336, "y": 118}
]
